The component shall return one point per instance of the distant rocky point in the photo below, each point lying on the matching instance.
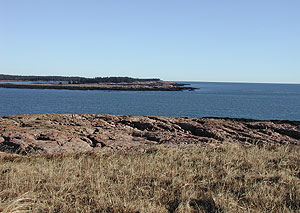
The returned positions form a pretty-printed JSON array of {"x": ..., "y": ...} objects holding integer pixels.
[
  {"x": 98, "y": 83},
  {"x": 65, "y": 133}
]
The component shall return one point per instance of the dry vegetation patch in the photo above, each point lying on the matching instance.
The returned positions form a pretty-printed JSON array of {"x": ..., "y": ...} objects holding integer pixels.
[{"x": 227, "y": 178}]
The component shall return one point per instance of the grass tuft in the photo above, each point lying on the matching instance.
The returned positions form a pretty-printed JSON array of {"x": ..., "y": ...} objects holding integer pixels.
[{"x": 226, "y": 178}]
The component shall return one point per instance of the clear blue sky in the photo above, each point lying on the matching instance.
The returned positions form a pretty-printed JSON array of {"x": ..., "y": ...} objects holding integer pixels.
[{"x": 212, "y": 40}]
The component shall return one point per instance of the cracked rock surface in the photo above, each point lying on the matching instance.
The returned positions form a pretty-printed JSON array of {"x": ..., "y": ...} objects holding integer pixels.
[{"x": 64, "y": 133}]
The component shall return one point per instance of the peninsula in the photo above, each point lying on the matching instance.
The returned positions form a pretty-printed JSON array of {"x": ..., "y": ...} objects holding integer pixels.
[{"x": 98, "y": 83}]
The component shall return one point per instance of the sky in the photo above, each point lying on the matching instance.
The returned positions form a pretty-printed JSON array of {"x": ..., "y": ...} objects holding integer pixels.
[{"x": 179, "y": 40}]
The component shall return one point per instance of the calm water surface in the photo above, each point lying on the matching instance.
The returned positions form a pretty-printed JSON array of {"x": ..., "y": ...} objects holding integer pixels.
[{"x": 239, "y": 100}]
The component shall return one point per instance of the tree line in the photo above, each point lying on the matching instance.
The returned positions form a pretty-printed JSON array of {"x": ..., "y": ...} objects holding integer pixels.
[{"x": 74, "y": 80}]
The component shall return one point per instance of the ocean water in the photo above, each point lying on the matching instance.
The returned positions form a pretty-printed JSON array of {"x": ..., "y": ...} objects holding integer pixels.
[{"x": 236, "y": 100}]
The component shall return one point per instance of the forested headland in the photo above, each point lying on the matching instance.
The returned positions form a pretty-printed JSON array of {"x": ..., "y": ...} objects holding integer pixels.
[{"x": 75, "y": 80}]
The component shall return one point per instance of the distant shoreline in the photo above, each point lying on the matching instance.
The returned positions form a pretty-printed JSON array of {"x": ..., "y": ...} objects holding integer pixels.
[
  {"x": 138, "y": 86},
  {"x": 97, "y": 83}
]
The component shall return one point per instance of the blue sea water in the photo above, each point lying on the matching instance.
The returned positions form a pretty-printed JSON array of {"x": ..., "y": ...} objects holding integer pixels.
[{"x": 237, "y": 100}]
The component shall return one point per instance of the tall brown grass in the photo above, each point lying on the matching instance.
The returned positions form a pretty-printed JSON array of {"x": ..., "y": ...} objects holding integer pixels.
[{"x": 227, "y": 178}]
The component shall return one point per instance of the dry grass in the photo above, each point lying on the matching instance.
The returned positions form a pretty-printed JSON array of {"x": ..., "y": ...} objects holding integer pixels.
[{"x": 229, "y": 178}]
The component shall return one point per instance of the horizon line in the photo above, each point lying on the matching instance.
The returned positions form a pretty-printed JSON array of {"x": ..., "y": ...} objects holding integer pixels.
[
  {"x": 204, "y": 81},
  {"x": 246, "y": 82}
]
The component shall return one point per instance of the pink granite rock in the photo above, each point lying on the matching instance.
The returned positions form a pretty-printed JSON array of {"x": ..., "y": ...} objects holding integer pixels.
[{"x": 60, "y": 133}]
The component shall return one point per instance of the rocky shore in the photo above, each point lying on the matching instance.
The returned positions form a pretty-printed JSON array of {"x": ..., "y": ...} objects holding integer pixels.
[
  {"x": 135, "y": 86},
  {"x": 61, "y": 133}
]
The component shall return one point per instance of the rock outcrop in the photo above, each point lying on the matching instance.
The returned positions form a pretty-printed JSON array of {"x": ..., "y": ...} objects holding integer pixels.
[
  {"x": 135, "y": 86},
  {"x": 63, "y": 133}
]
